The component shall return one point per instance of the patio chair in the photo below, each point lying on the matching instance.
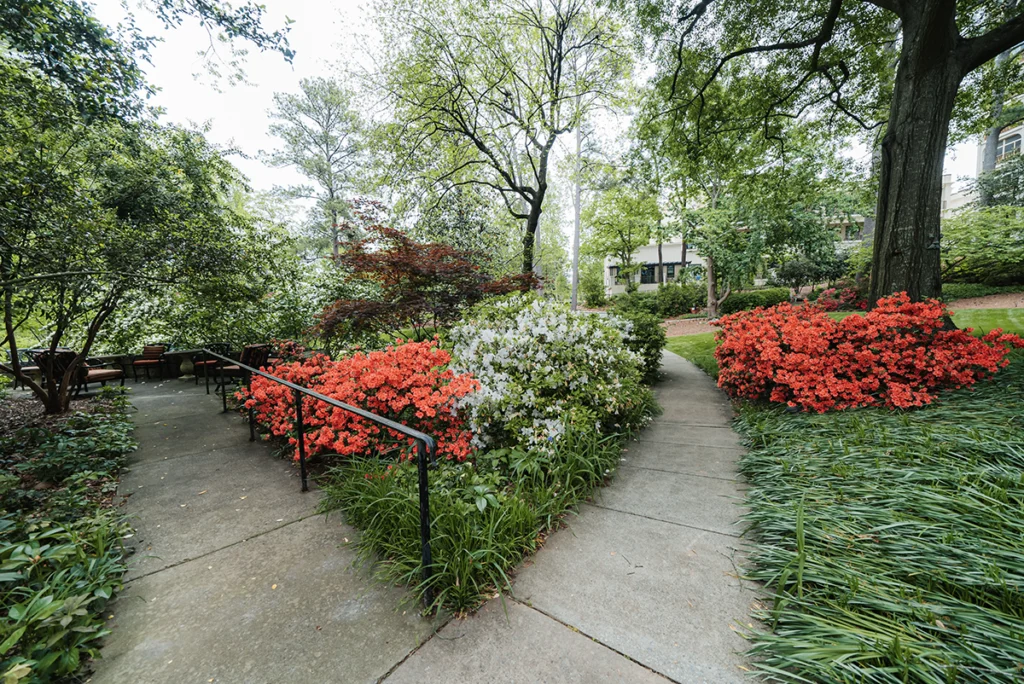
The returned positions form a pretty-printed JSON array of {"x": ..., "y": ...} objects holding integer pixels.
[
  {"x": 93, "y": 370},
  {"x": 254, "y": 355},
  {"x": 211, "y": 363},
  {"x": 27, "y": 362},
  {"x": 152, "y": 357}
]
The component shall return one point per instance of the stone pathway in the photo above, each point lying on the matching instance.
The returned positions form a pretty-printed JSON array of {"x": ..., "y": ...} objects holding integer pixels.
[{"x": 236, "y": 579}]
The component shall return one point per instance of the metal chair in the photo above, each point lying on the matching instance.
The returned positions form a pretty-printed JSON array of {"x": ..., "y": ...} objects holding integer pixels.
[
  {"x": 254, "y": 355},
  {"x": 209, "y": 364}
]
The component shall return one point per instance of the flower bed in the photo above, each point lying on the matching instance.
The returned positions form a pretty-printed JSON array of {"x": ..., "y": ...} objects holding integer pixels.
[
  {"x": 408, "y": 382},
  {"x": 897, "y": 355},
  {"x": 529, "y": 415}
]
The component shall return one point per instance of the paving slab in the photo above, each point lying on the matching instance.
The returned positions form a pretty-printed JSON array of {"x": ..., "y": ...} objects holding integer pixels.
[
  {"x": 668, "y": 597},
  {"x": 688, "y": 459},
  {"x": 712, "y": 434},
  {"x": 191, "y": 505},
  {"x": 514, "y": 644},
  {"x": 705, "y": 503},
  {"x": 286, "y": 606}
]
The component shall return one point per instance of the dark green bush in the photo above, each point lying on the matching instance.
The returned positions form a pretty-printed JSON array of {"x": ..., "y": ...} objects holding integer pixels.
[
  {"x": 647, "y": 338},
  {"x": 953, "y": 291},
  {"x": 486, "y": 515},
  {"x": 592, "y": 291},
  {"x": 637, "y": 302},
  {"x": 751, "y": 299},
  {"x": 678, "y": 299}
]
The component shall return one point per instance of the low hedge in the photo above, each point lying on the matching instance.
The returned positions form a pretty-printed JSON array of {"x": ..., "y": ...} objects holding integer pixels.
[
  {"x": 751, "y": 299},
  {"x": 953, "y": 291},
  {"x": 669, "y": 300}
]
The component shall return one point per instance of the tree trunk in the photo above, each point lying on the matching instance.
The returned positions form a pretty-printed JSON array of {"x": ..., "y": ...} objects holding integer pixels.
[
  {"x": 532, "y": 222},
  {"x": 682, "y": 266},
  {"x": 906, "y": 241},
  {"x": 577, "y": 207},
  {"x": 714, "y": 301},
  {"x": 661, "y": 265},
  {"x": 334, "y": 233}
]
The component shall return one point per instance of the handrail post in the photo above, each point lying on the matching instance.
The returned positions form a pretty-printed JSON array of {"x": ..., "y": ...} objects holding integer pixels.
[
  {"x": 206, "y": 371},
  {"x": 301, "y": 436},
  {"x": 223, "y": 389},
  {"x": 427, "y": 559}
]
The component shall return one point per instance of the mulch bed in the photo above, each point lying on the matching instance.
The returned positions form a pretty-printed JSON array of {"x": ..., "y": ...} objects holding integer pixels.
[{"x": 20, "y": 409}]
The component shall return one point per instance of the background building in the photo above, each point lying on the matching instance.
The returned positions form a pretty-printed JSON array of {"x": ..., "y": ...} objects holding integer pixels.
[{"x": 648, "y": 277}]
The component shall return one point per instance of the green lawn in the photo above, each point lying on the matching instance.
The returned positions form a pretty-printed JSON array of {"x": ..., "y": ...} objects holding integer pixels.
[
  {"x": 701, "y": 348},
  {"x": 697, "y": 348},
  {"x": 891, "y": 543},
  {"x": 983, "y": 320}
]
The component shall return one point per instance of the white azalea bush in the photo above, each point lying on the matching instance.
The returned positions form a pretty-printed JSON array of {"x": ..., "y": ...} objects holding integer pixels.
[{"x": 543, "y": 370}]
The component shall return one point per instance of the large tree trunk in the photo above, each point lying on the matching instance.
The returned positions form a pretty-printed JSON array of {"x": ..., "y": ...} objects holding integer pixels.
[{"x": 906, "y": 242}]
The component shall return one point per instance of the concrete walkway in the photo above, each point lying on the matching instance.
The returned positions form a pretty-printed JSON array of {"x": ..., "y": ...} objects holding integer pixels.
[{"x": 236, "y": 580}]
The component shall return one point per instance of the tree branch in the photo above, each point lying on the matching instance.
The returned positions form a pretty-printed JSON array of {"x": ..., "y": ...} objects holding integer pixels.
[{"x": 984, "y": 48}]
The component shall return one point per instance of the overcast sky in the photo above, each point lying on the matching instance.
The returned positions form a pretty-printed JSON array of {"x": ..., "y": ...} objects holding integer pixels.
[{"x": 325, "y": 33}]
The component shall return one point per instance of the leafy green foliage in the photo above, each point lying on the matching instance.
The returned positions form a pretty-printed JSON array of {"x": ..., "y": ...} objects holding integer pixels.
[
  {"x": 983, "y": 245},
  {"x": 54, "y": 584},
  {"x": 61, "y": 557},
  {"x": 618, "y": 222},
  {"x": 954, "y": 291},
  {"x": 890, "y": 542},
  {"x": 646, "y": 339},
  {"x": 486, "y": 514},
  {"x": 750, "y": 299}
]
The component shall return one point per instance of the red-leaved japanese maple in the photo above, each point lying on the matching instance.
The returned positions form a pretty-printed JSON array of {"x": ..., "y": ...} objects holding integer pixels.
[{"x": 416, "y": 285}]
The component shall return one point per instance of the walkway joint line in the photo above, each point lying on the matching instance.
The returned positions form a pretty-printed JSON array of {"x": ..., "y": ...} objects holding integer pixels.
[{"x": 184, "y": 561}]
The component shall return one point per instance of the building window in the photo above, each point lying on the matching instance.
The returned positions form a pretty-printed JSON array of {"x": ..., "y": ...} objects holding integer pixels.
[
  {"x": 1008, "y": 145},
  {"x": 671, "y": 271},
  {"x": 649, "y": 275},
  {"x": 613, "y": 271}
]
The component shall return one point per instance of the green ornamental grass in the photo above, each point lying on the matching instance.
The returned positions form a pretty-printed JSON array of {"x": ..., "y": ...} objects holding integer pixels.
[{"x": 891, "y": 543}]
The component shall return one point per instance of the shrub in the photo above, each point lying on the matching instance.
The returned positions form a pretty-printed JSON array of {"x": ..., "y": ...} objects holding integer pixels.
[
  {"x": 646, "y": 339},
  {"x": 679, "y": 299},
  {"x": 543, "y": 369},
  {"x": 408, "y": 383},
  {"x": 751, "y": 299},
  {"x": 897, "y": 355},
  {"x": 592, "y": 291},
  {"x": 411, "y": 285},
  {"x": 843, "y": 299},
  {"x": 637, "y": 302},
  {"x": 953, "y": 291}
]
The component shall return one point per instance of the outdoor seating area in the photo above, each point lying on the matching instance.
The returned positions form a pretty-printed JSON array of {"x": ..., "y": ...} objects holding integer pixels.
[{"x": 158, "y": 361}]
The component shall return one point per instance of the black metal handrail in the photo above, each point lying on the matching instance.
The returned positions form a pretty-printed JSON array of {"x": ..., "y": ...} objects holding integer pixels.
[{"x": 426, "y": 447}]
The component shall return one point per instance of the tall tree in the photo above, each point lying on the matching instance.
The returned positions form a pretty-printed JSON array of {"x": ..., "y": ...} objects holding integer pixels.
[
  {"x": 620, "y": 221},
  {"x": 489, "y": 92},
  {"x": 321, "y": 132},
  {"x": 818, "y": 53}
]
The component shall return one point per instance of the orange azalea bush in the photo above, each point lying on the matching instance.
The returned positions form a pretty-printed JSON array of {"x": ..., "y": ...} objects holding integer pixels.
[
  {"x": 897, "y": 355},
  {"x": 408, "y": 382}
]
